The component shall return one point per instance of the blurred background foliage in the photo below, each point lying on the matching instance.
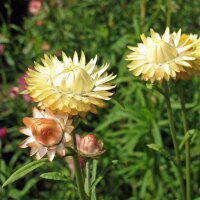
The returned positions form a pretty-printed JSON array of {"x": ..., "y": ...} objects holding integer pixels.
[{"x": 104, "y": 28}]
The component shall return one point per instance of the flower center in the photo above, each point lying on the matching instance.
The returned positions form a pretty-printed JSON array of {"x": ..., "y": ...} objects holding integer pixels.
[
  {"x": 73, "y": 80},
  {"x": 160, "y": 52},
  {"x": 47, "y": 132}
]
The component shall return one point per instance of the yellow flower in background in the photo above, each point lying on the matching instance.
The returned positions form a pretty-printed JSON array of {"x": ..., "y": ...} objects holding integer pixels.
[
  {"x": 48, "y": 134},
  {"x": 195, "y": 64},
  {"x": 161, "y": 56},
  {"x": 70, "y": 86}
]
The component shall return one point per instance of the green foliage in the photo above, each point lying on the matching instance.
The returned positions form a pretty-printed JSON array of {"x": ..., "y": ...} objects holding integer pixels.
[
  {"x": 57, "y": 176},
  {"x": 135, "y": 117},
  {"x": 24, "y": 171}
]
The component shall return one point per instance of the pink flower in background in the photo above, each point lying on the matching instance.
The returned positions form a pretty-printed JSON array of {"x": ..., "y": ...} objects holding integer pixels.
[
  {"x": 13, "y": 92},
  {"x": 2, "y": 48},
  {"x": 3, "y": 133},
  {"x": 70, "y": 163},
  {"x": 22, "y": 86},
  {"x": 45, "y": 47},
  {"x": 78, "y": 140},
  {"x": 35, "y": 6},
  {"x": 82, "y": 163}
]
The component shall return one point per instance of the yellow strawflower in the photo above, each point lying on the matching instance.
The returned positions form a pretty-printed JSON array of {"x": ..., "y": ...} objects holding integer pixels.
[
  {"x": 69, "y": 86},
  {"x": 160, "y": 56},
  {"x": 195, "y": 64}
]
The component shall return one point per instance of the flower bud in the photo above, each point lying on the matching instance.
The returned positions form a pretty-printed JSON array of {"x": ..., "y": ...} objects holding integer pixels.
[
  {"x": 3, "y": 133},
  {"x": 90, "y": 147},
  {"x": 13, "y": 92}
]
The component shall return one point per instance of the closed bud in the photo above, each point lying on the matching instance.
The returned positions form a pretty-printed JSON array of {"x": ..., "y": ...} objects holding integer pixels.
[{"x": 89, "y": 146}]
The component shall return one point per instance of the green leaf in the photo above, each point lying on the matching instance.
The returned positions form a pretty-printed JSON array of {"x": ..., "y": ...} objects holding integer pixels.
[
  {"x": 57, "y": 176},
  {"x": 24, "y": 170},
  {"x": 3, "y": 39},
  {"x": 16, "y": 28},
  {"x": 96, "y": 182},
  {"x": 115, "y": 161},
  {"x": 149, "y": 86},
  {"x": 191, "y": 134},
  {"x": 162, "y": 151},
  {"x": 24, "y": 92},
  {"x": 120, "y": 104}
]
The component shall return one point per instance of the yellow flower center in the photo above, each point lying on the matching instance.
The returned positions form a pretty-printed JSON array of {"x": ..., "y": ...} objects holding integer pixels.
[
  {"x": 160, "y": 52},
  {"x": 183, "y": 38},
  {"x": 73, "y": 80}
]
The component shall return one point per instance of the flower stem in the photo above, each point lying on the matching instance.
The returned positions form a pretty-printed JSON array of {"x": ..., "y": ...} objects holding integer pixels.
[
  {"x": 93, "y": 178},
  {"x": 174, "y": 139},
  {"x": 187, "y": 143},
  {"x": 78, "y": 173},
  {"x": 87, "y": 178},
  {"x": 169, "y": 12}
]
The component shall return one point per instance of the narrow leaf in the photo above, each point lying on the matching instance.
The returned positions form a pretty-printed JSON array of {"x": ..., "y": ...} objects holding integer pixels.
[
  {"x": 117, "y": 103},
  {"x": 23, "y": 92},
  {"x": 24, "y": 170},
  {"x": 57, "y": 176},
  {"x": 191, "y": 134},
  {"x": 162, "y": 151}
]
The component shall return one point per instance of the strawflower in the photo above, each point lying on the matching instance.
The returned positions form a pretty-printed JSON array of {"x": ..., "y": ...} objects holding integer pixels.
[
  {"x": 161, "y": 56},
  {"x": 194, "y": 70},
  {"x": 69, "y": 86},
  {"x": 48, "y": 134}
]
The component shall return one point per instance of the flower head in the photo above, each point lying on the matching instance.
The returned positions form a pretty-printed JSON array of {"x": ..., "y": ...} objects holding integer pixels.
[
  {"x": 89, "y": 146},
  {"x": 3, "y": 133},
  {"x": 161, "y": 56},
  {"x": 69, "y": 86},
  {"x": 189, "y": 72},
  {"x": 2, "y": 49},
  {"x": 14, "y": 91},
  {"x": 23, "y": 85},
  {"x": 48, "y": 133},
  {"x": 70, "y": 163},
  {"x": 45, "y": 47},
  {"x": 35, "y": 6}
]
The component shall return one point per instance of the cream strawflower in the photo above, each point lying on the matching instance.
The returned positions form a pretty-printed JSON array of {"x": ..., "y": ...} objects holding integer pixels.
[
  {"x": 160, "y": 57},
  {"x": 48, "y": 134},
  {"x": 69, "y": 86}
]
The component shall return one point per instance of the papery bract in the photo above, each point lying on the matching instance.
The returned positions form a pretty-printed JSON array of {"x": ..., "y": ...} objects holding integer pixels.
[
  {"x": 71, "y": 86},
  {"x": 48, "y": 133},
  {"x": 89, "y": 146},
  {"x": 161, "y": 56}
]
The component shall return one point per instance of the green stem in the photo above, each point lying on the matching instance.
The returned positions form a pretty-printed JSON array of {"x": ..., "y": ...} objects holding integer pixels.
[
  {"x": 142, "y": 14},
  {"x": 169, "y": 13},
  {"x": 174, "y": 139},
  {"x": 93, "y": 178},
  {"x": 187, "y": 143},
  {"x": 87, "y": 178},
  {"x": 78, "y": 173}
]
